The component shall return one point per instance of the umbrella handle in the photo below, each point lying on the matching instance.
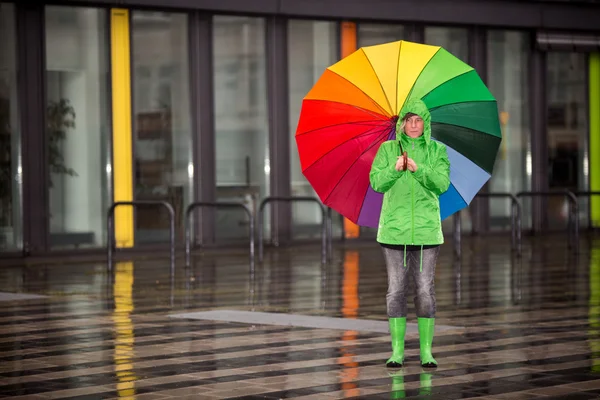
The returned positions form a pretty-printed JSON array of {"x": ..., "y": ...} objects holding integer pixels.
[{"x": 405, "y": 158}]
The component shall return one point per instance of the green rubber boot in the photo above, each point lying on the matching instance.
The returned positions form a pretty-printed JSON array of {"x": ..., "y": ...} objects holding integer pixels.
[
  {"x": 425, "y": 389},
  {"x": 398, "y": 391},
  {"x": 426, "y": 329},
  {"x": 397, "y": 330}
]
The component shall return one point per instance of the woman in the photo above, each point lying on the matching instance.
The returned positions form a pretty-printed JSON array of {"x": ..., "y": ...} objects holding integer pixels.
[{"x": 410, "y": 227}]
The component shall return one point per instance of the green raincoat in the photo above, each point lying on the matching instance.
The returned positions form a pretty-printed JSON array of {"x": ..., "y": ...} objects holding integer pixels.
[{"x": 410, "y": 214}]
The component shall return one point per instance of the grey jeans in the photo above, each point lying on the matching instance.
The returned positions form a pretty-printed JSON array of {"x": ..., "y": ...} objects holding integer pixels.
[{"x": 422, "y": 272}]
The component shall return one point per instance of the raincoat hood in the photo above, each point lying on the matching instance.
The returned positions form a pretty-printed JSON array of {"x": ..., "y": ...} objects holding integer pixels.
[{"x": 416, "y": 107}]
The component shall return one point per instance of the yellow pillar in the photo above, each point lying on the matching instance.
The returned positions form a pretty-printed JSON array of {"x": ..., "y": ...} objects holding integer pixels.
[
  {"x": 121, "y": 123},
  {"x": 124, "y": 337}
]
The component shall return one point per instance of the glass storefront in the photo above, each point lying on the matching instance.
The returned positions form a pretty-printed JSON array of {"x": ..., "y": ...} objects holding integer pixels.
[
  {"x": 163, "y": 161},
  {"x": 567, "y": 129},
  {"x": 10, "y": 138},
  {"x": 508, "y": 80},
  {"x": 312, "y": 47},
  {"x": 78, "y": 124},
  {"x": 243, "y": 165}
]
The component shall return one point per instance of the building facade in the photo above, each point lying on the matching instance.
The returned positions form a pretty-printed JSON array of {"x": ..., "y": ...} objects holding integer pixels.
[{"x": 197, "y": 100}]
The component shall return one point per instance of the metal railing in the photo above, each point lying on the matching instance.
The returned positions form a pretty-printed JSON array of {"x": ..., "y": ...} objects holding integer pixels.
[
  {"x": 516, "y": 214},
  {"x": 587, "y": 194},
  {"x": 111, "y": 233},
  {"x": 190, "y": 209},
  {"x": 324, "y": 225},
  {"x": 330, "y": 232},
  {"x": 456, "y": 234},
  {"x": 573, "y": 218}
]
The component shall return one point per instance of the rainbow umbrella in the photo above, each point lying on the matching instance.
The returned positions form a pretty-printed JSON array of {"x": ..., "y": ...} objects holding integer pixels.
[{"x": 354, "y": 106}]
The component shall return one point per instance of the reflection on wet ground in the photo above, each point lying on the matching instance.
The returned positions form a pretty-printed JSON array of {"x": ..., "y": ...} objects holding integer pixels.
[{"x": 521, "y": 327}]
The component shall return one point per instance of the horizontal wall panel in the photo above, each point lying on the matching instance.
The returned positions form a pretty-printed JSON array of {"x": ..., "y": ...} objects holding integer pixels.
[
  {"x": 243, "y": 6},
  {"x": 497, "y": 13},
  {"x": 225, "y": 6},
  {"x": 430, "y": 11},
  {"x": 579, "y": 17}
]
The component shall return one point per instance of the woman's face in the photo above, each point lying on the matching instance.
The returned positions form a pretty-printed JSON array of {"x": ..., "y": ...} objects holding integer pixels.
[{"x": 414, "y": 126}]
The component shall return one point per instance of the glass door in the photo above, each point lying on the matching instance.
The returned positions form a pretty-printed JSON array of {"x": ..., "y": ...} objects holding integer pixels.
[
  {"x": 10, "y": 150},
  {"x": 77, "y": 125},
  {"x": 162, "y": 121},
  {"x": 567, "y": 127},
  {"x": 243, "y": 166},
  {"x": 508, "y": 80},
  {"x": 312, "y": 47}
]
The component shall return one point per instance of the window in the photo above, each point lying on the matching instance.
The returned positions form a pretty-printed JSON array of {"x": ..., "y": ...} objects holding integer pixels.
[
  {"x": 312, "y": 47},
  {"x": 10, "y": 138},
  {"x": 78, "y": 125},
  {"x": 241, "y": 118},
  {"x": 162, "y": 122},
  {"x": 508, "y": 55},
  {"x": 454, "y": 40},
  {"x": 568, "y": 132},
  {"x": 373, "y": 34}
]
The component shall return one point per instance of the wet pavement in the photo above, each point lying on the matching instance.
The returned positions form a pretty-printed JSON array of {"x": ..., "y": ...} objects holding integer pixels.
[{"x": 514, "y": 328}]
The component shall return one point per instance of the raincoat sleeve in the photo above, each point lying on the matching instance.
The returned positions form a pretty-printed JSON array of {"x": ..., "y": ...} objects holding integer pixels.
[
  {"x": 436, "y": 177},
  {"x": 383, "y": 171}
]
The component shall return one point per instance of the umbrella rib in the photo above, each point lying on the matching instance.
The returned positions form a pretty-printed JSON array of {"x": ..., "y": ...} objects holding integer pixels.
[
  {"x": 463, "y": 127},
  {"x": 369, "y": 97},
  {"x": 457, "y": 172},
  {"x": 364, "y": 110},
  {"x": 487, "y": 135},
  {"x": 362, "y": 123},
  {"x": 369, "y": 132},
  {"x": 379, "y": 81},
  {"x": 461, "y": 102},
  {"x": 396, "y": 109},
  {"x": 418, "y": 76},
  {"x": 449, "y": 80},
  {"x": 350, "y": 167},
  {"x": 370, "y": 112},
  {"x": 362, "y": 204}
]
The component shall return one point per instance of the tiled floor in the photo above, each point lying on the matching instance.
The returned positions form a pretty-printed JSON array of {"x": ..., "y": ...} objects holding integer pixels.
[{"x": 518, "y": 328}]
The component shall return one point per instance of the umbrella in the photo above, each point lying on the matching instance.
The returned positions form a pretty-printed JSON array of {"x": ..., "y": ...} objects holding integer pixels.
[{"x": 354, "y": 106}]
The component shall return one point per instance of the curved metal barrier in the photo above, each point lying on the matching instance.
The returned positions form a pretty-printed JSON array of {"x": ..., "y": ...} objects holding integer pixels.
[
  {"x": 193, "y": 206},
  {"x": 516, "y": 213},
  {"x": 324, "y": 229},
  {"x": 573, "y": 219},
  {"x": 457, "y": 235},
  {"x": 111, "y": 233},
  {"x": 587, "y": 194},
  {"x": 330, "y": 232}
]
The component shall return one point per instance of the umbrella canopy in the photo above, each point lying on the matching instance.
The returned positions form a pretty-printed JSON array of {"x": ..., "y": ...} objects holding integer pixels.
[{"x": 354, "y": 106}]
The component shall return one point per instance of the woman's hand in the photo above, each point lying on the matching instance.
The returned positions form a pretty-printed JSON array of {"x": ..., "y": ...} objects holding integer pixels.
[
  {"x": 411, "y": 165},
  {"x": 400, "y": 164}
]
